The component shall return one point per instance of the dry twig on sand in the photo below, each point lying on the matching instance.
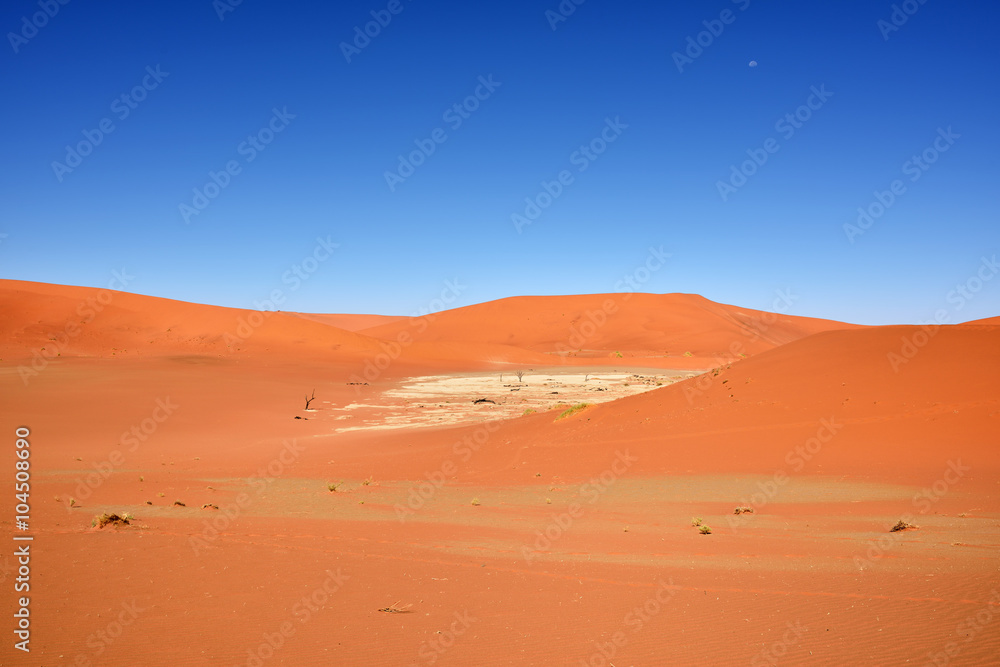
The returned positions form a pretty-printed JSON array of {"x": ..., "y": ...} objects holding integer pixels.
[{"x": 394, "y": 608}]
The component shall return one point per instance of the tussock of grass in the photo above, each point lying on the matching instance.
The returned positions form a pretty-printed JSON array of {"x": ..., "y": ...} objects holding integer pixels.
[
  {"x": 901, "y": 525},
  {"x": 705, "y": 529},
  {"x": 696, "y": 521},
  {"x": 571, "y": 410}
]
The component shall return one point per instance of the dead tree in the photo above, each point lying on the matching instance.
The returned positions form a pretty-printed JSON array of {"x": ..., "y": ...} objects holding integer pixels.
[
  {"x": 519, "y": 374},
  {"x": 310, "y": 399}
]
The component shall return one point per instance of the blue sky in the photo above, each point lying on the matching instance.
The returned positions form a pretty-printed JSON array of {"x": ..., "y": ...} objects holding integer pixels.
[{"x": 329, "y": 126}]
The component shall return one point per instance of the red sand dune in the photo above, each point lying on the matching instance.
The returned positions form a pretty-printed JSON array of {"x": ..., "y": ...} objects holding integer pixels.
[
  {"x": 581, "y": 548},
  {"x": 51, "y": 321},
  {"x": 900, "y": 411},
  {"x": 595, "y": 326},
  {"x": 674, "y": 330},
  {"x": 351, "y": 322},
  {"x": 988, "y": 321},
  {"x": 82, "y": 321}
]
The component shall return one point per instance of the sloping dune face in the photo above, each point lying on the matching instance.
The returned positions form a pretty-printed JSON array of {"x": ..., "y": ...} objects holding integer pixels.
[
  {"x": 987, "y": 321},
  {"x": 352, "y": 322},
  {"x": 80, "y": 321},
  {"x": 900, "y": 400},
  {"x": 671, "y": 326}
]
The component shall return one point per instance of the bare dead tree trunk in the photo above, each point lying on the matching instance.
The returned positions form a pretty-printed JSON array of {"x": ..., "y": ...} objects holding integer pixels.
[{"x": 310, "y": 399}]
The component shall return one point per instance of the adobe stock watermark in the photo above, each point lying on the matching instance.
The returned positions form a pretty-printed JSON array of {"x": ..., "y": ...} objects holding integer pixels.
[
  {"x": 303, "y": 611},
  {"x": 100, "y": 640},
  {"x": 223, "y": 7},
  {"x": 915, "y": 167},
  {"x": 787, "y": 126},
  {"x": 392, "y": 349},
  {"x": 923, "y": 502},
  {"x": 770, "y": 655},
  {"x": 596, "y": 319},
  {"x": 562, "y": 12},
  {"x": 432, "y": 649},
  {"x": 900, "y": 14},
  {"x": 87, "y": 310},
  {"x": 462, "y": 450},
  {"x": 128, "y": 442},
  {"x": 634, "y": 620},
  {"x": 249, "y": 149},
  {"x": 122, "y": 107},
  {"x": 294, "y": 277},
  {"x": 970, "y": 628},
  {"x": 696, "y": 44},
  {"x": 381, "y": 18},
  {"x": 797, "y": 458},
  {"x": 753, "y": 329},
  {"x": 454, "y": 116},
  {"x": 37, "y": 21},
  {"x": 963, "y": 293},
  {"x": 581, "y": 158},
  {"x": 591, "y": 490},
  {"x": 758, "y": 326},
  {"x": 259, "y": 482}
]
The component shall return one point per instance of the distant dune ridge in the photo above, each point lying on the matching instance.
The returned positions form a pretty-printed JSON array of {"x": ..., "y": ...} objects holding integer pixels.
[
  {"x": 599, "y": 324},
  {"x": 675, "y": 330}
]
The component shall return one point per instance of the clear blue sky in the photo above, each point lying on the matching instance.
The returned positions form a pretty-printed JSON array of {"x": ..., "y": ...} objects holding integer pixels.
[{"x": 324, "y": 173}]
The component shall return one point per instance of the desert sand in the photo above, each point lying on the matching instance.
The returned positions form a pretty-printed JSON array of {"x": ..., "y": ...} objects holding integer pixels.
[{"x": 519, "y": 531}]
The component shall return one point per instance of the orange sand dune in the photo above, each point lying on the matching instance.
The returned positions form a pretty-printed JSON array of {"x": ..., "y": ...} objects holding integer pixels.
[
  {"x": 351, "y": 322},
  {"x": 598, "y": 325},
  {"x": 988, "y": 321},
  {"x": 81, "y": 321},
  {"x": 665, "y": 331},
  {"x": 535, "y": 540},
  {"x": 897, "y": 409},
  {"x": 50, "y": 321}
]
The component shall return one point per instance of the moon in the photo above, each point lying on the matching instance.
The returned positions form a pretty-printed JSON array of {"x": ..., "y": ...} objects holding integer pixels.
[{"x": 753, "y": 63}]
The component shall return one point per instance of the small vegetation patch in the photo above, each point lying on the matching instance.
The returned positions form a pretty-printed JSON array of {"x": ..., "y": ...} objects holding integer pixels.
[
  {"x": 475, "y": 501},
  {"x": 901, "y": 525},
  {"x": 696, "y": 521},
  {"x": 396, "y": 608},
  {"x": 571, "y": 410},
  {"x": 705, "y": 529},
  {"x": 333, "y": 487},
  {"x": 743, "y": 509},
  {"x": 123, "y": 519}
]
